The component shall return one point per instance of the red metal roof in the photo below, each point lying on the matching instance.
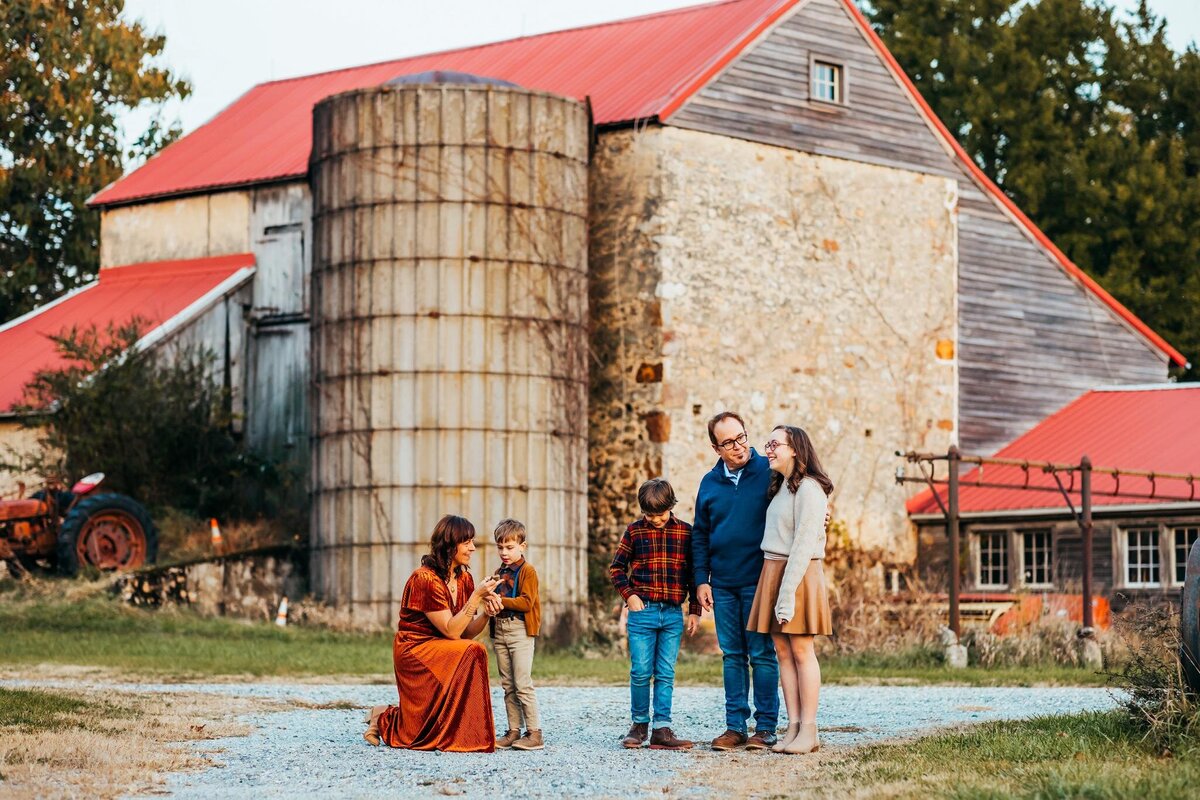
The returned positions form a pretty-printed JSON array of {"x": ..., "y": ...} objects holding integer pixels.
[
  {"x": 631, "y": 69},
  {"x": 1143, "y": 428},
  {"x": 158, "y": 292},
  {"x": 639, "y": 68}
]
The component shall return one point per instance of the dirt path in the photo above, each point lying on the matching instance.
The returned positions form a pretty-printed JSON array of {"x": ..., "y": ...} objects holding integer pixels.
[{"x": 264, "y": 740}]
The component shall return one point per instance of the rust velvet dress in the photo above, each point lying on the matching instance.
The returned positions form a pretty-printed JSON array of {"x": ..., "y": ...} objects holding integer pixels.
[{"x": 445, "y": 701}]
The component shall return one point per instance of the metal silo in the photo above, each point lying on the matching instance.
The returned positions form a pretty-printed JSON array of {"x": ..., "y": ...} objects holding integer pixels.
[{"x": 448, "y": 327}]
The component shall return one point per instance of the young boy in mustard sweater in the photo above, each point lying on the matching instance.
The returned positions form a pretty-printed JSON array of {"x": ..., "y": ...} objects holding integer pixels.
[{"x": 514, "y": 631}]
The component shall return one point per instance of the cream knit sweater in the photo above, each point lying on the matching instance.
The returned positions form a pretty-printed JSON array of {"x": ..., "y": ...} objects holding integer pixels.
[{"x": 795, "y": 529}]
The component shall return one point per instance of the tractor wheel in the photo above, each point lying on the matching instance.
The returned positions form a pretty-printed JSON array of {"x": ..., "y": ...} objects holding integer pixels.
[{"x": 108, "y": 532}]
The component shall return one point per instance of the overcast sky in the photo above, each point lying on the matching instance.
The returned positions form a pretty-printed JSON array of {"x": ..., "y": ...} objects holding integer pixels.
[{"x": 223, "y": 47}]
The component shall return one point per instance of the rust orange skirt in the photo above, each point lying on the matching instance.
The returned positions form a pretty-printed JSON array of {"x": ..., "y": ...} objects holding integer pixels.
[
  {"x": 445, "y": 702},
  {"x": 812, "y": 615}
]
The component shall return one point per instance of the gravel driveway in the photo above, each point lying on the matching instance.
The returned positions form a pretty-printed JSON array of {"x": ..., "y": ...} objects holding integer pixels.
[{"x": 320, "y": 753}]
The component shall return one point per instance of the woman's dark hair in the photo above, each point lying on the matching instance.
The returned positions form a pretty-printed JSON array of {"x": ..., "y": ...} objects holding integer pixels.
[
  {"x": 805, "y": 463},
  {"x": 448, "y": 534}
]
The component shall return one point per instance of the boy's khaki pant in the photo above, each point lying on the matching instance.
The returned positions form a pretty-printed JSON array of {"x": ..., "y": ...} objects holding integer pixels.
[{"x": 514, "y": 662}]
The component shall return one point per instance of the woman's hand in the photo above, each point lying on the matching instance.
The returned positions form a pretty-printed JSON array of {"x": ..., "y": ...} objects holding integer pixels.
[
  {"x": 492, "y": 605},
  {"x": 485, "y": 587},
  {"x": 693, "y": 623}
]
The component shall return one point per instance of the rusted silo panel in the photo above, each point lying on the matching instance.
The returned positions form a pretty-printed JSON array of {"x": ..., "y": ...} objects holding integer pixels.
[{"x": 449, "y": 311}]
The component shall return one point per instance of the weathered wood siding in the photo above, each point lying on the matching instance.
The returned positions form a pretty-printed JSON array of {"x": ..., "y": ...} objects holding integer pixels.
[
  {"x": 278, "y": 341},
  {"x": 1031, "y": 339}
]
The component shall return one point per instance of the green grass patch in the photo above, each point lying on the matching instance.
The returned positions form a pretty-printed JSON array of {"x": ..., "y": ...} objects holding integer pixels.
[
  {"x": 34, "y": 709},
  {"x": 1097, "y": 755},
  {"x": 173, "y": 643}
]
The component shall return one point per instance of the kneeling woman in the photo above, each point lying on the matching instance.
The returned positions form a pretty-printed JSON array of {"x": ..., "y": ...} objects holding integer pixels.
[
  {"x": 792, "y": 603},
  {"x": 441, "y": 674}
]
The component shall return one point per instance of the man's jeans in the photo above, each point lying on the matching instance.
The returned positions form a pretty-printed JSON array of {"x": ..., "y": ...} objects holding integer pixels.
[
  {"x": 742, "y": 650},
  {"x": 654, "y": 636}
]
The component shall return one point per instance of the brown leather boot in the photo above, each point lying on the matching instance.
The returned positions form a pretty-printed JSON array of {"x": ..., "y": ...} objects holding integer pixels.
[
  {"x": 532, "y": 740},
  {"x": 761, "y": 740},
  {"x": 506, "y": 741},
  {"x": 664, "y": 739},
  {"x": 729, "y": 740},
  {"x": 371, "y": 734},
  {"x": 637, "y": 735}
]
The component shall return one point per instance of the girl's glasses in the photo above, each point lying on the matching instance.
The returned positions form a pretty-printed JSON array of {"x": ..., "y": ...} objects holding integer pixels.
[{"x": 771, "y": 446}]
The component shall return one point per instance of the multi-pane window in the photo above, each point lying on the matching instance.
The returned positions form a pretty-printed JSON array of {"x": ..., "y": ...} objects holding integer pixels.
[
  {"x": 1184, "y": 539},
  {"x": 993, "y": 559},
  {"x": 827, "y": 82},
  {"x": 1037, "y": 551},
  {"x": 1142, "y": 560}
]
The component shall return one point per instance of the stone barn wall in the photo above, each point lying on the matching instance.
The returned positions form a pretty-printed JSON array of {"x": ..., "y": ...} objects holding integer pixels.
[{"x": 790, "y": 287}]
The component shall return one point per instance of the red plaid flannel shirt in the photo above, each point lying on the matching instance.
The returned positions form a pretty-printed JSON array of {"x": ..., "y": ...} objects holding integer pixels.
[{"x": 656, "y": 563}]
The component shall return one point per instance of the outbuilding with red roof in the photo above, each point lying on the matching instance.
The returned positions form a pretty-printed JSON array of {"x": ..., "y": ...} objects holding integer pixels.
[{"x": 1028, "y": 539}]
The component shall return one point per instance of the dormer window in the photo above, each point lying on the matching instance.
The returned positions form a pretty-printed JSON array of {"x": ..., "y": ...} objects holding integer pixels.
[{"x": 828, "y": 81}]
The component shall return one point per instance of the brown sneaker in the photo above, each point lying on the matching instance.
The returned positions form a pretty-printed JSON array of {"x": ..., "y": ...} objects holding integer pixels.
[
  {"x": 761, "y": 740},
  {"x": 729, "y": 740},
  {"x": 664, "y": 739},
  {"x": 532, "y": 740},
  {"x": 506, "y": 741},
  {"x": 637, "y": 735}
]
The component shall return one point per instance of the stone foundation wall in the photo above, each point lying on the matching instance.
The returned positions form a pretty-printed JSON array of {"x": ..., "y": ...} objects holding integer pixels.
[{"x": 789, "y": 287}]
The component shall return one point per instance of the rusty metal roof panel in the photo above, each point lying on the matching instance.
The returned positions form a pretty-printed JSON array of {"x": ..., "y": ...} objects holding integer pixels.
[
  {"x": 1151, "y": 428},
  {"x": 631, "y": 69},
  {"x": 163, "y": 294}
]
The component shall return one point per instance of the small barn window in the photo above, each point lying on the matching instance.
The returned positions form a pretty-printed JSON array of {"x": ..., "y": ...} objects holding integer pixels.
[
  {"x": 1142, "y": 559},
  {"x": 993, "y": 560},
  {"x": 828, "y": 81},
  {"x": 1184, "y": 539},
  {"x": 1037, "y": 551}
]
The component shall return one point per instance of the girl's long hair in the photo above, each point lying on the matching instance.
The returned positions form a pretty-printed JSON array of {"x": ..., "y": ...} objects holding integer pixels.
[
  {"x": 804, "y": 464},
  {"x": 448, "y": 534}
]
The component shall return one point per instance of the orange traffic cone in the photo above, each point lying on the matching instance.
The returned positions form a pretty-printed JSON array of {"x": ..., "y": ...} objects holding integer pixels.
[
  {"x": 281, "y": 617},
  {"x": 218, "y": 543}
]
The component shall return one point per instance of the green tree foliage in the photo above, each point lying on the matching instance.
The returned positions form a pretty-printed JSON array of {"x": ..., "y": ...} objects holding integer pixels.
[
  {"x": 159, "y": 428},
  {"x": 1088, "y": 119},
  {"x": 69, "y": 67}
]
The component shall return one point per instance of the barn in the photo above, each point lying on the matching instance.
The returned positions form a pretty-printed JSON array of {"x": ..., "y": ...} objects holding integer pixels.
[{"x": 770, "y": 219}]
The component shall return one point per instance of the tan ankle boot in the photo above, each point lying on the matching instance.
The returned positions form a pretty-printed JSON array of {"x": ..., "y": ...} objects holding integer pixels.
[
  {"x": 506, "y": 741},
  {"x": 532, "y": 740},
  {"x": 786, "y": 739},
  {"x": 805, "y": 742},
  {"x": 371, "y": 734}
]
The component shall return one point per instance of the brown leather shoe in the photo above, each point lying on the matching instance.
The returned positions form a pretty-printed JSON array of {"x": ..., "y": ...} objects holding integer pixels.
[
  {"x": 729, "y": 740},
  {"x": 637, "y": 735},
  {"x": 664, "y": 739},
  {"x": 371, "y": 734},
  {"x": 532, "y": 740},
  {"x": 506, "y": 741},
  {"x": 761, "y": 740}
]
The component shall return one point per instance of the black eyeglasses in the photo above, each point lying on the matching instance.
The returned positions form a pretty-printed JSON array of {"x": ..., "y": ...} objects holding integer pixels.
[{"x": 729, "y": 444}]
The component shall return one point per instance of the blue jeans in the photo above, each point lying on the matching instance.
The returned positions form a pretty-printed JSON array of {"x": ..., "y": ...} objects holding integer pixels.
[
  {"x": 743, "y": 650},
  {"x": 654, "y": 636}
]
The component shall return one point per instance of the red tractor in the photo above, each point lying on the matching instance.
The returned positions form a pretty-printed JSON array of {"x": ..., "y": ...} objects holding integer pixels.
[{"x": 77, "y": 527}]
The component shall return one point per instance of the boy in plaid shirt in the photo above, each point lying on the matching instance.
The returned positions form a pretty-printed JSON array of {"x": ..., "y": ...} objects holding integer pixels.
[{"x": 652, "y": 570}]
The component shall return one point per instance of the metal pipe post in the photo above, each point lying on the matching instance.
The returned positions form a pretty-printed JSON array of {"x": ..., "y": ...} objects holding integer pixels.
[
  {"x": 1085, "y": 529},
  {"x": 952, "y": 532}
]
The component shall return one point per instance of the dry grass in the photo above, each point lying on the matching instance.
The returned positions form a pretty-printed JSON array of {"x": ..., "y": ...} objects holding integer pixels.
[
  {"x": 119, "y": 745},
  {"x": 183, "y": 537}
]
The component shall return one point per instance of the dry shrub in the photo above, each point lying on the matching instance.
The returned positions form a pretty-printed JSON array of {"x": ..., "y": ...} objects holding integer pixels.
[
  {"x": 865, "y": 617},
  {"x": 183, "y": 537},
  {"x": 1157, "y": 699},
  {"x": 1050, "y": 640}
]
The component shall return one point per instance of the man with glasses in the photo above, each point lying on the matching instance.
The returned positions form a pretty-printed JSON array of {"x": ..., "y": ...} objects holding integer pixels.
[{"x": 731, "y": 511}]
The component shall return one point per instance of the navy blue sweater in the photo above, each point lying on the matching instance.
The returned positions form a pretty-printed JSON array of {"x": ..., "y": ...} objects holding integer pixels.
[{"x": 728, "y": 530}]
